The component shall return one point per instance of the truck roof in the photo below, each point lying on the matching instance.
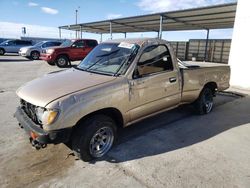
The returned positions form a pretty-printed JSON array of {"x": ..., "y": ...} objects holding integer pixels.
[{"x": 138, "y": 41}]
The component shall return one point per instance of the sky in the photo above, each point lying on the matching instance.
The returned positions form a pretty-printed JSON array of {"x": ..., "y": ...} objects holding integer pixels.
[{"x": 42, "y": 17}]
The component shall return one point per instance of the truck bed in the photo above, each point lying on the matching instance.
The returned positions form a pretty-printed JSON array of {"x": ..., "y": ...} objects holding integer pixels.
[{"x": 196, "y": 74}]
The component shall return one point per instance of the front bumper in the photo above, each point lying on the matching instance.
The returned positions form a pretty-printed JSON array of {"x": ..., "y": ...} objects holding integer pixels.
[
  {"x": 37, "y": 133},
  {"x": 23, "y": 54},
  {"x": 47, "y": 57}
]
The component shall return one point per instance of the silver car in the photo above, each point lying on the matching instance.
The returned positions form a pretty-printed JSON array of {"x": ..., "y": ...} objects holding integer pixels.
[
  {"x": 13, "y": 46},
  {"x": 33, "y": 52}
]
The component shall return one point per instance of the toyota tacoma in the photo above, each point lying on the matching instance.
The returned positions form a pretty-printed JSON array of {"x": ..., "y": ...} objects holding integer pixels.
[{"x": 119, "y": 83}]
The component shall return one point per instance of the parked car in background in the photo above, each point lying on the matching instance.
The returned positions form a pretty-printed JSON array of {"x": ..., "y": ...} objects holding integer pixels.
[
  {"x": 13, "y": 46},
  {"x": 33, "y": 52},
  {"x": 70, "y": 50}
]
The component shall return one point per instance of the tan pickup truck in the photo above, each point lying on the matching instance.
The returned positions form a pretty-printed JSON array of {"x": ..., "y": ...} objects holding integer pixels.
[{"x": 120, "y": 82}]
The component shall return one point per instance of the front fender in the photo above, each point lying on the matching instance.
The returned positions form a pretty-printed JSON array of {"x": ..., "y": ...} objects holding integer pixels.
[{"x": 78, "y": 105}]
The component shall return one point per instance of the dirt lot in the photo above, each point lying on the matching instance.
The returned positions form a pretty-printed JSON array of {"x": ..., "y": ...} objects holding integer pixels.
[{"x": 174, "y": 149}]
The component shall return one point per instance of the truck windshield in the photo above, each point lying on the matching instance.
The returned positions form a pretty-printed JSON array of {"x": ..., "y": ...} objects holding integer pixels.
[
  {"x": 67, "y": 43},
  {"x": 39, "y": 43},
  {"x": 110, "y": 58}
]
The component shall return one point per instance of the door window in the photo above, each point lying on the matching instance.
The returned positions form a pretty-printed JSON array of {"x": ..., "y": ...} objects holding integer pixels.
[
  {"x": 21, "y": 42},
  {"x": 91, "y": 43},
  {"x": 10, "y": 43},
  {"x": 154, "y": 59},
  {"x": 79, "y": 44}
]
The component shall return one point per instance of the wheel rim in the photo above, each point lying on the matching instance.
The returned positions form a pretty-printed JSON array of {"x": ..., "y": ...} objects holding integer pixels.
[
  {"x": 35, "y": 55},
  {"x": 61, "y": 61},
  {"x": 101, "y": 142},
  {"x": 208, "y": 102},
  {"x": 1, "y": 52}
]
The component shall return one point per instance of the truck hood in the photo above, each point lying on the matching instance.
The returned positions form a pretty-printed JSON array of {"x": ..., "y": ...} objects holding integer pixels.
[
  {"x": 52, "y": 86},
  {"x": 58, "y": 47}
]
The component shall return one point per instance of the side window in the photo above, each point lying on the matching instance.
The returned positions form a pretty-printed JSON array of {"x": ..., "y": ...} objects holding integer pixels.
[
  {"x": 91, "y": 43},
  {"x": 154, "y": 59},
  {"x": 27, "y": 43},
  {"x": 10, "y": 43},
  {"x": 20, "y": 42},
  {"x": 49, "y": 44},
  {"x": 56, "y": 43},
  {"x": 79, "y": 44}
]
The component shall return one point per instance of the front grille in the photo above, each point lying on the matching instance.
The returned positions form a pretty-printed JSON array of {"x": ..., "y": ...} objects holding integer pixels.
[{"x": 30, "y": 110}]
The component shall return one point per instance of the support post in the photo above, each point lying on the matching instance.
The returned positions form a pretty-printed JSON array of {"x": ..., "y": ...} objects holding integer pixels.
[
  {"x": 110, "y": 30},
  {"x": 160, "y": 29},
  {"x": 205, "y": 55},
  {"x": 60, "y": 34},
  {"x": 101, "y": 38},
  {"x": 76, "y": 21},
  {"x": 81, "y": 31},
  {"x": 125, "y": 35}
]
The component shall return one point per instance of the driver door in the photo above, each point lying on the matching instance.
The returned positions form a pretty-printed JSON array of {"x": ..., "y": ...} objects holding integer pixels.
[
  {"x": 78, "y": 50},
  {"x": 155, "y": 85}
]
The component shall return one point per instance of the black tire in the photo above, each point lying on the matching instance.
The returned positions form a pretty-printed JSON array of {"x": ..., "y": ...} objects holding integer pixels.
[
  {"x": 2, "y": 51},
  {"x": 90, "y": 133},
  {"x": 62, "y": 61},
  {"x": 51, "y": 63},
  {"x": 34, "y": 55},
  {"x": 204, "y": 104}
]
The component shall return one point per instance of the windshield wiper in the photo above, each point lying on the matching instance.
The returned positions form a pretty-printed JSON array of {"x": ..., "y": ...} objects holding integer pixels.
[
  {"x": 107, "y": 54},
  {"x": 103, "y": 55}
]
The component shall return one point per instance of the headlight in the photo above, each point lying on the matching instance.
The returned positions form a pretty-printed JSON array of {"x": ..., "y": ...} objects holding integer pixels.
[
  {"x": 23, "y": 50},
  {"x": 50, "y": 51},
  {"x": 46, "y": 116}
]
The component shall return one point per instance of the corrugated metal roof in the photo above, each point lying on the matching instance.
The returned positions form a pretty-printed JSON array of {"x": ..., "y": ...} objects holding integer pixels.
[{"x": 211, "y": 17}]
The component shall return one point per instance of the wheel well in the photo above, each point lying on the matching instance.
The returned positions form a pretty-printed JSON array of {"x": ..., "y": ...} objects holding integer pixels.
[
  {"x": 35, "y": 51},
  {"x": 2, "y": 49},
  {"x": 113, "y": 113},
  {"x": 66, "y": 55},
  {"x": 212, "y": 86}
]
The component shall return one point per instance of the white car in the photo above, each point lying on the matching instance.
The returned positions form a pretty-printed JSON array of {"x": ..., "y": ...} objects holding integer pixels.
[{"x": 33, "y": 52}]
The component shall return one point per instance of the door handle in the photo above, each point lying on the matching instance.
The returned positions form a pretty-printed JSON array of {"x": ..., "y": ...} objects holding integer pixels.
[{"x": 172, "y": 79}]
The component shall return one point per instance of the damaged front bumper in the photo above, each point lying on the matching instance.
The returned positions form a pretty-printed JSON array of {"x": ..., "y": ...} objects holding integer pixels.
[{"x": 37, "y": 135}]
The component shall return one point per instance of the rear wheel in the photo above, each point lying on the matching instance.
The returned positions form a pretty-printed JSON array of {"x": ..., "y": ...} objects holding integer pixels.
[
  {"x": 35, "y": 55},
  {"x": 62, "y": 61},
  {"x": 94, "y": 138},
  {"x": 2, "y": 51},
  {"x": 204, "y": 104}
]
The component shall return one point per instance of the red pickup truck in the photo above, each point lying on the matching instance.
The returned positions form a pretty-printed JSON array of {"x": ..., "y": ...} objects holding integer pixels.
[{"x": 70, "y": 50}]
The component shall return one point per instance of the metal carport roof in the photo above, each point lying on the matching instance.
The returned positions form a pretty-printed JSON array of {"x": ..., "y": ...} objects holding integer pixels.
[{"x": 210, "y": 17}]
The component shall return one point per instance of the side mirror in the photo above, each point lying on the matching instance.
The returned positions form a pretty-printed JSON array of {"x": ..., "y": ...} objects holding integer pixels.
[{"x": 136, "y": 74}]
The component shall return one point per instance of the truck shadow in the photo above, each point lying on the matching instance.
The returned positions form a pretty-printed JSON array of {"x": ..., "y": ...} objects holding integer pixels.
[{"x": 177, "y": 129}]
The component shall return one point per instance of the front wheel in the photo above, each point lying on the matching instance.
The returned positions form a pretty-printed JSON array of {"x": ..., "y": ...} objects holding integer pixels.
[
  {"x": 94, "y": 138},
  {"x": 34, "y": 55},
  {"x": 62, "y": 61},
  {"x": 204, "y": 104},
  {"x": 2, "y": 51}
]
